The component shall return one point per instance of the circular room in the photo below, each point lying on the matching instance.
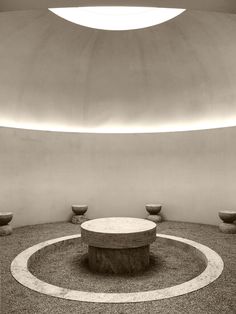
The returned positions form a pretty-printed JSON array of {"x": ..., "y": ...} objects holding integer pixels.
[{"x": 118, "y": 156}]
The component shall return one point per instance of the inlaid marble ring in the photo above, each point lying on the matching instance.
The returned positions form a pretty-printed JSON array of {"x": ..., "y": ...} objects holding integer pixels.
[{"x": 214, "y": 268}]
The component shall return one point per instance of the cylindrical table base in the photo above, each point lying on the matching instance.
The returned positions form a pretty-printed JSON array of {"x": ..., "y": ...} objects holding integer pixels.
[{"x": 118, "y": 261}]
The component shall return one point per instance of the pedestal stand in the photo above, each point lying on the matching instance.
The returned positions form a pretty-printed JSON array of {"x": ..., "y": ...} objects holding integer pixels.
[
  {"x": 79, "y": 214},
  {"x": 154, "y": 212},
  {"x": 229, "y": 221}
]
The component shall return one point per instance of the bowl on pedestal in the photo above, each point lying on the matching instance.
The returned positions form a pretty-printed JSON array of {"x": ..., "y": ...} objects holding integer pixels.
[
  {"x": 229, "y": 219},
  {"x": 79, "y": 214},
  {"x": 5, "y": 228},
  {"x": 154, "y": 212}
]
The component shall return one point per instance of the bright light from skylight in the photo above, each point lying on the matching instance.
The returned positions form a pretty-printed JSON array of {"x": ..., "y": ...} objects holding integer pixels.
[{"x": 117, "y": 18}]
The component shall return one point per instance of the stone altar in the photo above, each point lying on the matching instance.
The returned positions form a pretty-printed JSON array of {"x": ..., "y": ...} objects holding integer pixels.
[{"x": 118, "y": 244}]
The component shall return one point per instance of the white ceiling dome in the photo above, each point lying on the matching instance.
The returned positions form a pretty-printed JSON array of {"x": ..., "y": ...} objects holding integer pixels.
[{"x": 179, "y": 75}]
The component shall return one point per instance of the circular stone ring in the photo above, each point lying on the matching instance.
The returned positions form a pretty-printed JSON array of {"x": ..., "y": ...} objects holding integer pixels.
[{"x": 214, "y": 268}]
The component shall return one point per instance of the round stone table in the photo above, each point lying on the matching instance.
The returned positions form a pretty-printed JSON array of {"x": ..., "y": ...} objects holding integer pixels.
[{"x": 118, "y": 244}]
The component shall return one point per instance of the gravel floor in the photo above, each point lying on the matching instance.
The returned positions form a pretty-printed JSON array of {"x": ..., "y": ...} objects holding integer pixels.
[
  {"x": 218, "y": 297},
  {"x": 68, "y": 268}
]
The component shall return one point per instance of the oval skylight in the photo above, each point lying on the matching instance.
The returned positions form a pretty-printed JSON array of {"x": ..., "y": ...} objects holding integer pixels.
[{"x": 117, "y": 18}]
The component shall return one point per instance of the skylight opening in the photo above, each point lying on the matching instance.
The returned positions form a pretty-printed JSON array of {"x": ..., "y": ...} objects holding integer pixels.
[{"x": 117, "y": 18}]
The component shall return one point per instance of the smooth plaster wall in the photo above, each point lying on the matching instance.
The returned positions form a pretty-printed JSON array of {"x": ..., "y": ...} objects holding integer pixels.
[
  {"x": 42, "y": 173},
  {"x": 55, "y": 73}
]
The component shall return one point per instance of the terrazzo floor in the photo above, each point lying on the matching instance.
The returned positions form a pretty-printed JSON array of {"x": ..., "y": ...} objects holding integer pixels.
[{"x": 218, "y": 297}]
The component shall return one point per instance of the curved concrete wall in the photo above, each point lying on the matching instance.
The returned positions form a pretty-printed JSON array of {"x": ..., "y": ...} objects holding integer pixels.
[
  {"x": 42, "y": 173},
  {"x": 56, "y": 74}
]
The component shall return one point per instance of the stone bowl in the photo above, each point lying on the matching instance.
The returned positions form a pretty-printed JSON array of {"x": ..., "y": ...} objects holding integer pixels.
[
  {"x": 79, "y": 209},
  {"x": 228, "y": 216},
  {"x": 153, "y": 209},
  {"x": 5, "y": 218}
]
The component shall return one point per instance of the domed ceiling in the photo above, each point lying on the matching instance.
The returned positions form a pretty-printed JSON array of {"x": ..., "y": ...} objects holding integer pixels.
[{"x": 55, "y": 75}]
